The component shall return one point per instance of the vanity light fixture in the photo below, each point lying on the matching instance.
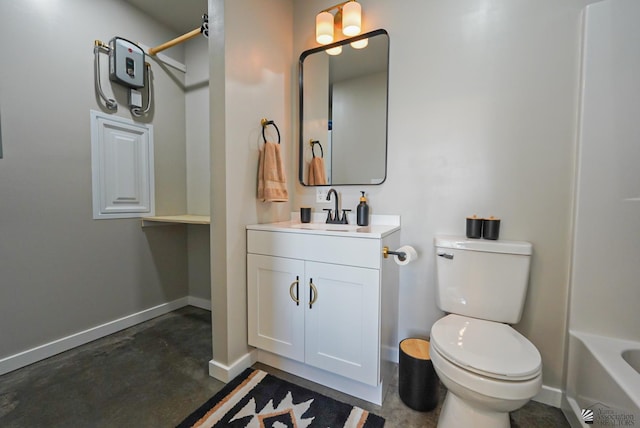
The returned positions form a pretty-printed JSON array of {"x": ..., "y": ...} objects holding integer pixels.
[
  {"x": 348, "y": 17},
  {"x": 324, "y": 28},
  {"x": 351, "y": 18}
]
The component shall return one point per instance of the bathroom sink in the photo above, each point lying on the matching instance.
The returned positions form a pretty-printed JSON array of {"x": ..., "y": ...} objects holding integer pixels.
[
  {"x": 328, "y": 227},
  {"x": 379, "y": 227}
]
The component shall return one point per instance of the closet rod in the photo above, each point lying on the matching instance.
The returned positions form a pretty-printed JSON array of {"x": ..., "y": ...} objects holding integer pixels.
[{"x": 190, "y": 35}]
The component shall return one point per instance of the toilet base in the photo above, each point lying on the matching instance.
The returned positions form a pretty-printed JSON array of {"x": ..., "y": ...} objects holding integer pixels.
[{"x": 455, "y": 413}]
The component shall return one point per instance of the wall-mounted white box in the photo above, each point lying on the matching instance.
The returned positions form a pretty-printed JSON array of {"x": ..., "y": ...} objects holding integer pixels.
[{"x": 122, "y": 167}]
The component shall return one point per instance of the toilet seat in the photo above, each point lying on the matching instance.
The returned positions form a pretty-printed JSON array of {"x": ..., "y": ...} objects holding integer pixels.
[{"x": 488, "y": 348}]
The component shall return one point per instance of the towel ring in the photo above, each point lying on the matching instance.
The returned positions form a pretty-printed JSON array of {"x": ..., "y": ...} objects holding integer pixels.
[
  {"x": 264, "y": 122},
  {"x": 313, "y": 146}
]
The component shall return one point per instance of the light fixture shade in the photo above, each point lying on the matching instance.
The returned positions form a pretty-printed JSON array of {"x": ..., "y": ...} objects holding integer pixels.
[
  {"x": 351, "y": 18},
  {"x": 360, "y": 44},
  {"x": 324, "y": 28},
  {"x": 335, "y": 51}
]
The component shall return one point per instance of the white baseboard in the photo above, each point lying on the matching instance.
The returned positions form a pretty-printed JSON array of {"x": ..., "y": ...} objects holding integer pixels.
[
  {"x": 50, "y": 349},
  {"x": 226, "y": 373},
  {"x": 390, "y": 353},
  {"x": 549, "y": 396},
  {"x": 199, "y": 302}
]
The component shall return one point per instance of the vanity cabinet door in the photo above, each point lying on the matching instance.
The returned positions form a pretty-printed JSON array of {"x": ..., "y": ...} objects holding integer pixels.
[
  {"x": 275, "y": 320},
  {"x": 342, "y": 325}
]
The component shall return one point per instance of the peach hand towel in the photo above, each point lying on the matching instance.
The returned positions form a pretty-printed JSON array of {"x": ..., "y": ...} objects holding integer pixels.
[
  {"x": 317, "y": 174},
  {"x": 272, "y": 183}
]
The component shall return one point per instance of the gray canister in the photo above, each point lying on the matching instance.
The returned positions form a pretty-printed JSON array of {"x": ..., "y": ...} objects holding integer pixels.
[
  {"x": 491, "y": 228},
  {"x": 474, "y": 227}
]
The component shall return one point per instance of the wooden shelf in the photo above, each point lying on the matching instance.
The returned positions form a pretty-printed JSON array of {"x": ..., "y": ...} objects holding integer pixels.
[{"x": 168, "y": 220}]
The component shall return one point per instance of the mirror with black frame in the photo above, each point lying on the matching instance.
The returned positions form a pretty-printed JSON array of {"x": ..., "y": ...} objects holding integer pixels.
[{"x": 343, "y": 112}]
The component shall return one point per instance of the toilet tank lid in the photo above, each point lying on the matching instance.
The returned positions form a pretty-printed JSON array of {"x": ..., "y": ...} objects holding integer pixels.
[{"x": 497, "y": 246}]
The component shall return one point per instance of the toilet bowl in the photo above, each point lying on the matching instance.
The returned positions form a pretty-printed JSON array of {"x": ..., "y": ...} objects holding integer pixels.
[{"x": 488, "y": 368}]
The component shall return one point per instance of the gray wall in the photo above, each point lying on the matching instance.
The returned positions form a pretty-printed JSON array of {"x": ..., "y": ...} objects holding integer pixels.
[
  {"x": 482, "y": 120},
  {"x": 60, "y": 271}
]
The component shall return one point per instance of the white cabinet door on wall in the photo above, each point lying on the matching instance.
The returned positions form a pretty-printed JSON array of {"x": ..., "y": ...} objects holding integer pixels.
[
  {"x": 276, "y": 320},
  {"x": 122, "y": 167},
  {"x": 342, "y": 326}
]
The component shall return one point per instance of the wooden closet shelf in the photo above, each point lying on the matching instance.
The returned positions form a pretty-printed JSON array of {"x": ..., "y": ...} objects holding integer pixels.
[{"x": 167, "y": 220}]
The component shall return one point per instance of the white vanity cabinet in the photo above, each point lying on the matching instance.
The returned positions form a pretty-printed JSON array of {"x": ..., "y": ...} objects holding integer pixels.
[
  {"x": 322, "y": 304},
  {"x": 325, "y": 315}
]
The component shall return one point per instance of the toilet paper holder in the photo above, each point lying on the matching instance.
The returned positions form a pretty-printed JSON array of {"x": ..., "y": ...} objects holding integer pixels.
[{"x": 401, "y": 255}]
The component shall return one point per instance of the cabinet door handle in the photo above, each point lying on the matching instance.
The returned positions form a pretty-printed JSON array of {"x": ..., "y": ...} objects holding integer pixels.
[
  {"x": 296, "y": 297},
  {"x": 314, "y": 293}
]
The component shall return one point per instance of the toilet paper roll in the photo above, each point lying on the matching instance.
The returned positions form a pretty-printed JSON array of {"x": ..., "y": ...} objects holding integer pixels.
[{"x": 410, "y": 255}]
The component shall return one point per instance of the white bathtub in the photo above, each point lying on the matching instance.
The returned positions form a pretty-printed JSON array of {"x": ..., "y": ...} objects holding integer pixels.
[{"x": 602, "y": 380}]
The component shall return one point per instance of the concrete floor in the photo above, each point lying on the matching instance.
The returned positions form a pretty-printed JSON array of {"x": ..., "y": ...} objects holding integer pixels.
[{"x": 155, "y": 374}]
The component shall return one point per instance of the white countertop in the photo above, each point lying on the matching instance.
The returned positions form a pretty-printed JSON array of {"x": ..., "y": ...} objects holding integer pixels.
[{"x": 379, "y": 227}]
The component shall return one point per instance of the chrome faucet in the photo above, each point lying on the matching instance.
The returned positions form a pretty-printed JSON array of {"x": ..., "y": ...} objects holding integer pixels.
[{"x": 335, "y": 218}]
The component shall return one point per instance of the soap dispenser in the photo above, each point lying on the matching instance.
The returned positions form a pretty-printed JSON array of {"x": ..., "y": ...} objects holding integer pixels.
[{"x": 363, "y": 211}]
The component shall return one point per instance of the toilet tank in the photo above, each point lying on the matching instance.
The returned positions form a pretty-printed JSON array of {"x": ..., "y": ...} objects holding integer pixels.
[{"x": 482, "y": 278}]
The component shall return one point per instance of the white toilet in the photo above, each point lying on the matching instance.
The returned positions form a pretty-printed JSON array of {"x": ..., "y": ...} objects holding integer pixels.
[{"x": 489, "y": 368}]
